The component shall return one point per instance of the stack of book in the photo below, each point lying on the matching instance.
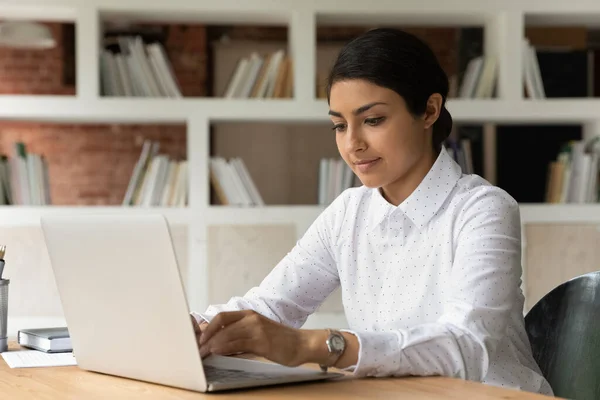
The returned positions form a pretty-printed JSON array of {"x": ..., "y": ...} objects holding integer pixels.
[
  {"x": 573, "y": 175},
  {"x": 24, "y": 178},
  {"x": 262, "y": 76},
  {"x": 480, "y": 76},
  {"x": 137, "y": 70},
  {"x": 157, "y": 180},
  {"x": 232, "y": 183}
]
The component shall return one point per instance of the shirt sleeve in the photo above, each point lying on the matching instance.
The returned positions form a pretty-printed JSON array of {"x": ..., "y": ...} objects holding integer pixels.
[
  {"x": 483, "y": 289},
  {"x": 301, "y": 281}
]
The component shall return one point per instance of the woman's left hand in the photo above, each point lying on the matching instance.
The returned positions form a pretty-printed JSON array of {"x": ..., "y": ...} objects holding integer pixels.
[{"x": 249, "y": 332}]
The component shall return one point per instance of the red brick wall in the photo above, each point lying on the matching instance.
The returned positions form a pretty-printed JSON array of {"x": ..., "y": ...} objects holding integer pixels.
[
  {"x": 90, "y": 164},
  {"x": 35, "y": 71},
  {"x": 186, "y": 49}
]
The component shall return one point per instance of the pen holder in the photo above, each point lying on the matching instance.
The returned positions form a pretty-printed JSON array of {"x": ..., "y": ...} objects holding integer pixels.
[{"x": 3, "y": 314}]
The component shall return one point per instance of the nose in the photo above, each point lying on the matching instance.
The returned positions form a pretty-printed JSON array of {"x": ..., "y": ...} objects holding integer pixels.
[{"x": 354, "y": 139}]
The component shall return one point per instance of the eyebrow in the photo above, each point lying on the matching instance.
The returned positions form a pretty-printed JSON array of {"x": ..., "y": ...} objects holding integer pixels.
[{"x": 358, "y": 111}]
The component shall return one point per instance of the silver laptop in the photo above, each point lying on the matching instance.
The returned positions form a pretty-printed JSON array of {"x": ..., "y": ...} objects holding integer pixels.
[{"x": 126, "y": 309}]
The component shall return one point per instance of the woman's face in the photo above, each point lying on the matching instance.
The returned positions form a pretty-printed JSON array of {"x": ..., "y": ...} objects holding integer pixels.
[{"x": 378, "y": 137}]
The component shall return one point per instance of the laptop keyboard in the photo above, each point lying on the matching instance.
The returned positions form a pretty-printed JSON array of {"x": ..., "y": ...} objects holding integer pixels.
[{"x": 220, "y": 375}]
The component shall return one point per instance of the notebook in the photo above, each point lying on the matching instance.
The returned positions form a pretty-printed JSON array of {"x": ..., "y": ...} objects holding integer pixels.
[
  {"x": 34, "y": 358},
  {"x": 49, "y": 340}
]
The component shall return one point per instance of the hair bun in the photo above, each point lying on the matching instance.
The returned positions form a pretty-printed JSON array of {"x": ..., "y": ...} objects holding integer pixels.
[
  {"x": 445, "y": 120},
  {"x": 442, "y": 127}
]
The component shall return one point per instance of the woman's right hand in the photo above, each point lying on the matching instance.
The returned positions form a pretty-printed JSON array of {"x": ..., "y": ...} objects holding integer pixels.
[{"x": 199, "y": 328}]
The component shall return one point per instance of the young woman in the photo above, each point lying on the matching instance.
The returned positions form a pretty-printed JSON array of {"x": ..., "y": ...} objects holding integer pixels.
[{"x": 428, "y": 258}]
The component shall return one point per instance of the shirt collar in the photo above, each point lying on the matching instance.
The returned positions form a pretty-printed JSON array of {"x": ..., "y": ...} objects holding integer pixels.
[{"x": 425, "y": 201}]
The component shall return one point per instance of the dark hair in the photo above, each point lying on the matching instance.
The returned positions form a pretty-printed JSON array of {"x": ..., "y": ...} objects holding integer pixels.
[{"x": 399, "y": 61}]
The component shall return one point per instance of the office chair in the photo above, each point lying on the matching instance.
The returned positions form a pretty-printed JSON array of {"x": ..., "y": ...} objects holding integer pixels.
[{"x": 564, "y": 332}]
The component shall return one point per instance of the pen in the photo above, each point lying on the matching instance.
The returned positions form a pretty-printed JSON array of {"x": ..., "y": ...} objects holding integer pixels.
[{"x": 2, "y": 252}]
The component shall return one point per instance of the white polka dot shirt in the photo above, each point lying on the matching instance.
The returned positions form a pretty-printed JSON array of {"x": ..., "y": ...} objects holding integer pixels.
[{"x": 430, "y": 287}]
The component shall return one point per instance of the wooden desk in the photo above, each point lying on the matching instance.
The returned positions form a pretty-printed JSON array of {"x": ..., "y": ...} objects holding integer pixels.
[{"x": 73, "y": 383}]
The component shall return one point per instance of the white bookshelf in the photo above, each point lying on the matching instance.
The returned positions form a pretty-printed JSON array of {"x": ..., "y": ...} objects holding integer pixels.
[{"x": 504, "y": 24}]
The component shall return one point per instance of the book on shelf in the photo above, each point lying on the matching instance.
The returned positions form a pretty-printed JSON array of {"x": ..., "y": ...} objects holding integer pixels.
[
  {"x": 335, "y": 176},
  {"x": 532, "y": 75},
  {"x": 480, "y": 72},
  {"x": 559, "y": 72},
  {"x": 321, "y": 85},
  {"x": 480, "y": 78},
  {"x": 268, "y": 75},
  {"x": 157, "y": 180},
  {"x": 133, "y": 68},
  {"x": 24, "y": 178},
  {"x": 232, "y": 182},
  {"x": 461, "y": 151},
  {"x": 573, "y": 175}
]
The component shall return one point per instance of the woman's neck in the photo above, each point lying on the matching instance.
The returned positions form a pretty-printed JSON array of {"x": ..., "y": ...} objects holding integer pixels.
[{"x": 399, "y": 190}]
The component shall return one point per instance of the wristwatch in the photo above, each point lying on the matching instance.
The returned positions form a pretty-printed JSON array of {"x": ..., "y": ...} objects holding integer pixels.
[{"x": 336, "y": 344}]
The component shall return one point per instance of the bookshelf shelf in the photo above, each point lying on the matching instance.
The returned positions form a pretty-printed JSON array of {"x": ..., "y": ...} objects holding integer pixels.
[
  {"x": 194, "y": 13},
  {"x": 276, "y": 11},
  {"x": 270, "y": 214},
  {"x": 530, "y": 213},
  {"x": 30, "y": 215},
  {"x": 59, "y": 12},
  {"x": 157, "y": 110},
  {"x": 300, "y": 216},
  {"x": 548, "y": 110},
  {"x": 560, "y": 19},
  {"x": 560, "y": 213},
  {"x": 184, "y": 11},
  {"x": 303, "y": 216},
  {"x": 504, "y": 24}
]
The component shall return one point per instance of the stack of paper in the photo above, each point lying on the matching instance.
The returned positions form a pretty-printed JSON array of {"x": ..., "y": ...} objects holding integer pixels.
[{"x": 34, "y": 358}]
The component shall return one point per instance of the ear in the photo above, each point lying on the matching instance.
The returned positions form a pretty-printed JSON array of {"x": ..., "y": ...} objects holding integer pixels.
[{"x": 432, "y": 110}]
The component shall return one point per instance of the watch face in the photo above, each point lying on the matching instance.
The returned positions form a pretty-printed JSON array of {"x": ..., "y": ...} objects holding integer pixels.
[{"x": 337, "y": 343}]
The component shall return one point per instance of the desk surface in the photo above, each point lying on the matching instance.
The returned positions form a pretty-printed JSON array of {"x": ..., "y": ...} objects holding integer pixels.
[{"x": 74, "y": 383}]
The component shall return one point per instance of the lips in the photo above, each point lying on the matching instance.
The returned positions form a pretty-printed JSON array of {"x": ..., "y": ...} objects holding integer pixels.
[
  {"x": 366, "y": 164},
  {"x": 366, "y": 161}
]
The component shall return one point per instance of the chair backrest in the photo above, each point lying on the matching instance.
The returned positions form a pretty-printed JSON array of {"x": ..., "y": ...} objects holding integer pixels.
[{"x": 564, "y": 331}]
